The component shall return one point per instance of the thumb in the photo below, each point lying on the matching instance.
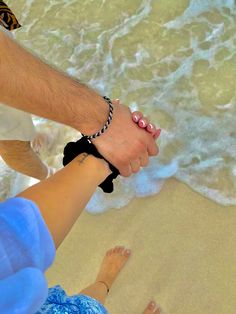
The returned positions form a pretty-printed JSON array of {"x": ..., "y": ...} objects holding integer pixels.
[{"x": 116, "y": 101}]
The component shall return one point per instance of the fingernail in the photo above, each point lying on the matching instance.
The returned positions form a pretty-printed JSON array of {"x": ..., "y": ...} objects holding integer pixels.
[
  {"x": 135, "y": 118},
  {"x": 158, "y": 133},
  {"x": 150, "y": 127},
  {"x": 141, "y": 123}
]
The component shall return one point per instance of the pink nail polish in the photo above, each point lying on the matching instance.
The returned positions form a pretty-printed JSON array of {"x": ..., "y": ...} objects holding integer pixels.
[
  {"x": 135, "y": 118},
  {"x": 141, "y": 123},
  {"x": 151, "y": 305},
  {"x": 157, "y": 134},
  {"x": 150, "y": 127}
]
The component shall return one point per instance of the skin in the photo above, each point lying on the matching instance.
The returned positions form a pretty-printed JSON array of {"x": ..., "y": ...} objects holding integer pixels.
[
  {"x": 125, "y": 144},
  {"x": 33, "y": 86},
  {"x": 152, "y": 308},
  {"x": 144, "y": 123},
  {"x": 85, "y": 172},
  {"x": 20, "y": 156}
]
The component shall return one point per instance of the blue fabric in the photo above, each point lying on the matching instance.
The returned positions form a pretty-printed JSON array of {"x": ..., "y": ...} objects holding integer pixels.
[
  {"x": 26, "y": 251},
  {"x": 24, "y": 292},
  {"x": 59, "y": 303}
]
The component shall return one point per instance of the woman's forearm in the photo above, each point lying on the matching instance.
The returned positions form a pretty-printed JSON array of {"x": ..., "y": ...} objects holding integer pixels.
[
  {"x": 30, "y": 85},
  {"x": 62, "y": 197}
]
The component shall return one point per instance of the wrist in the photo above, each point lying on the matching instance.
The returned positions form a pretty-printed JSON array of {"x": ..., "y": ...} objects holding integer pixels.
[
  {"x": 110, "y": 135},
  {"x": 106, "y": 125},
  {"x": 96, "y": 167},
  {"x": 101, "y": 168},
  {"x": 95, "y": 116}
]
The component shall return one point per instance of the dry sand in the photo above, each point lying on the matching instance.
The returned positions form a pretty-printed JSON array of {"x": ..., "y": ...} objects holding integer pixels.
[{"x": 183, "y": 254}]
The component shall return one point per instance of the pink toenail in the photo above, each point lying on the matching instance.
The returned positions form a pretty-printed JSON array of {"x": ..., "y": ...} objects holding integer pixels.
[{"x": 151, "y": 305}]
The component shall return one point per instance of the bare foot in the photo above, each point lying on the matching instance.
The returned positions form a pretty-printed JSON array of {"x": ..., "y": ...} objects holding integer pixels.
[
  {"x": 112, "y": 264},
  {"x": 152, "y": 308}
]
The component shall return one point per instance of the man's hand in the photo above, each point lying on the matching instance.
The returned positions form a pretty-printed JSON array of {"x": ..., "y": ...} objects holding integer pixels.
[
  {"x": 65, "y": 100},
  {"x": 125, "y": 144}
]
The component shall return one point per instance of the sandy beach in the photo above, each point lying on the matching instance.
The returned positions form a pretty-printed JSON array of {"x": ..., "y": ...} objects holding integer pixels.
[
  {"x": 183, "y": 254},
  {"x": 175, "y": 62}
]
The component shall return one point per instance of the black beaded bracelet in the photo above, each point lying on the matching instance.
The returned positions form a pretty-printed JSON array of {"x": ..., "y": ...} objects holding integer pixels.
[{"x": 90, "y": 137}]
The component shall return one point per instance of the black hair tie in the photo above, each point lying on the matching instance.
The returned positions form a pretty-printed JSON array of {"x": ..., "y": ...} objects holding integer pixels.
[{"x": 73, "y": 149}]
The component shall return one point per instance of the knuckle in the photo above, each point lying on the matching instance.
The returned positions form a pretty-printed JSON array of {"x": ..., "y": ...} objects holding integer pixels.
[
  {"x": 146, "y": 163},
  {"x": 136, "y": 170},
  {"x": 154, "y": 151},
  {"x": 126, "y": 172},
  {"x": 141, "y": 146}
]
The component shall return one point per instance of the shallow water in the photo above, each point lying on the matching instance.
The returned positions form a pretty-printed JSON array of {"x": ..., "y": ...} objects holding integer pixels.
[{"x": 174, "y": 60}]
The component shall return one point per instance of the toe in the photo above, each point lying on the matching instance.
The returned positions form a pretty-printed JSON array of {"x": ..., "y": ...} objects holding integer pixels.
[
  {"x": 109, "y": 252},
  {"x": 127, "y": 252},
  {"x": 121, "y": 249},
  {"x": 115, "y": 250},
  {"x": 151, "y": 305},
  {"x": 150, "y": 308},
  {"x": 118, "y": 249},
  {"x": 158, "y": 311}
]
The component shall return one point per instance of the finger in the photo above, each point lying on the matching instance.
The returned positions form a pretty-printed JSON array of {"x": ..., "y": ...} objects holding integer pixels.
[
  {"x": 136, "y": 116},
  {"x": 152, "y": 148},
  {"x": 151, "y": 128},
  {"x": 144, "y": 160},
  {"x": 143, "y": 122},
  {"x": 125, "y": 171},
  {"x": 135, "y": 165},
  {"x": 157, "y": 134},
  {"x": 116, "y": 101}
]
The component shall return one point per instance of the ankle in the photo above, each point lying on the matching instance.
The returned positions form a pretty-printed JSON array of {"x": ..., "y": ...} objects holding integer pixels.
[{"x": 105, "y": 285}]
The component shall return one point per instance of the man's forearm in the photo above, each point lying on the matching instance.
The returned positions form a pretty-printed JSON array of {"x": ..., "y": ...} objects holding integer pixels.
[{"x": 28, "y": 84}]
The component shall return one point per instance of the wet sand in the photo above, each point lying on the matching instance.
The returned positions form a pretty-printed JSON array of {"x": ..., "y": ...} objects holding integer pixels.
[{"x": 183, "y": 254}]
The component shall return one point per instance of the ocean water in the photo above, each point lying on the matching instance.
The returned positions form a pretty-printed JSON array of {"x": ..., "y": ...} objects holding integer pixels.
[{"x": 174, "y": 60}]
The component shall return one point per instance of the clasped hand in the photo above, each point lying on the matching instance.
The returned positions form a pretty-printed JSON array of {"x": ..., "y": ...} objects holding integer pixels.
[{"x": 129, "y": 141}]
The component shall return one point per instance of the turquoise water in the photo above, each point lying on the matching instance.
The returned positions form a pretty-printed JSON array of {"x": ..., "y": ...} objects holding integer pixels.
[{"x": 174, "y": 60}]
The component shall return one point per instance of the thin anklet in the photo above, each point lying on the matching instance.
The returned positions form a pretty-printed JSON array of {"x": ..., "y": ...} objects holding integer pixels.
[{"x": 105, "y": 285}]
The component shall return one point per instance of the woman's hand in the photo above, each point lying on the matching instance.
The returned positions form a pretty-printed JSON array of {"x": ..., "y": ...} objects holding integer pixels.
[
  {"x": 125, "y": 145},
  {"x": 144, "y": 123}
]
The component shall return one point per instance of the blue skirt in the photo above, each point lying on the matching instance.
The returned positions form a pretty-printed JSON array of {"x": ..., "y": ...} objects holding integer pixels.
[{"x": 59, "y": 303}]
